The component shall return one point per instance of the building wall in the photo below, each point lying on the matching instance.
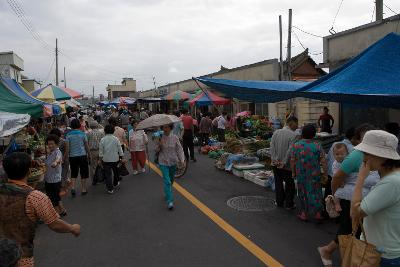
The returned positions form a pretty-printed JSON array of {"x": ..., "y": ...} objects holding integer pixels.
[
  {"x": 340, "y": 47},
  {"x": 127, "y": 88},
  {"x": 30, "y": 85}
]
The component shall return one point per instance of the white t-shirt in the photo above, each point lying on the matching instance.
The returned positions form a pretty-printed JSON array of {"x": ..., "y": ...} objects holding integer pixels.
[{"x": 221, "y": 122}]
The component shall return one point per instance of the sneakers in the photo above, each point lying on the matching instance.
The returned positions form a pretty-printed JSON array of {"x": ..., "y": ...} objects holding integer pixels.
[
  {"x": 117, "y": 185},
  {"x": 143, "y": 170},
  {"x": 135, "y": 172},
  {"x": 110, "y": 192},
  {"x": 170, "y": 205}
]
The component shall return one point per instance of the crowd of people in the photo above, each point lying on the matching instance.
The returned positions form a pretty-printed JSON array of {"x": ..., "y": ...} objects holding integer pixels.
[
  {"x": 360, "y": 176},
  {"x": 357, "y": 180}
]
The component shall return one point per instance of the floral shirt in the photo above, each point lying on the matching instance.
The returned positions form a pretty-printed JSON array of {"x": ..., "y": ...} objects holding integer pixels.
[
  {"x": 171, "y": 151},
  {"x": 137, "y": 140}
]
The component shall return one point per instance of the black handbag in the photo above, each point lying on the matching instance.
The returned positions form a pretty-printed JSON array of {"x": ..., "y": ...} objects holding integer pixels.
[
  {"x": 122, "y": 170},
  {"x": 98, "y": 176}
]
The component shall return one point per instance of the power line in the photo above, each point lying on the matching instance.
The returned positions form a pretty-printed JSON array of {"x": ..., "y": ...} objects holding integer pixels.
[
  {"x": 394, "y": 12},
  {"x": 373, "y": 13},
  {"x": 297, "y": 37},
  {"x": 309, "y": 33},
  {"x": 304, "y": 47},
  {"x": 51, "y": 67},
  {"x": 331, "y": 30}
]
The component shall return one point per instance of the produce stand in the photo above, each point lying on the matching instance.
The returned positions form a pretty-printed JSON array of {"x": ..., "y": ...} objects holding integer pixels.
[
  {"x": 245, "y": 153},
  {"x": 14, "y": 136}
]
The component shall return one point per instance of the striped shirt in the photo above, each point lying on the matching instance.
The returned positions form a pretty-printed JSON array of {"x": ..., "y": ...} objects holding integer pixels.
[
  {"x": 37, "y": 207},
  {"x": 94, "y": 138},
  {"x": 76, "y": 140},
  {"x": 53, "y": 174},
  {"x": 281, "y": 141}
]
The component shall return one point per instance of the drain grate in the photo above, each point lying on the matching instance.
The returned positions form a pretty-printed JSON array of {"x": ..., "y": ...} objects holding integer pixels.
[{"x": 251, "y": 203}]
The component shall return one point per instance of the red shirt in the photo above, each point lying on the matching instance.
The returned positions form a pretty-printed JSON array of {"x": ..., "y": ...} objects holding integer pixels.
[{"x": 187, "y": 121}]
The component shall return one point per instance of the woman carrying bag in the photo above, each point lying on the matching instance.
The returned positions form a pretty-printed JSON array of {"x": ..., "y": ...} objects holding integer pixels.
[{"x": 380, "y": 209}]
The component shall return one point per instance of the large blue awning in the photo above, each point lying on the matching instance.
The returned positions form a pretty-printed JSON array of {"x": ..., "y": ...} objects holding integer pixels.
[
  {"x": 254, "y": 91},
  {"x": 372, "y": 78}
]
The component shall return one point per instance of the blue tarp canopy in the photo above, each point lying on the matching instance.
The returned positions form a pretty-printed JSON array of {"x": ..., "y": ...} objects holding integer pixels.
[
  {"x": 255, "y": 91},
  {"x": 372, "y": 78},
  {"x": 14, "y": 87}
]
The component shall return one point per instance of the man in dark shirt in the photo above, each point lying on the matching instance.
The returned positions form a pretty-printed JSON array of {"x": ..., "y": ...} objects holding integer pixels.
[{"x": 324, "y": 121}]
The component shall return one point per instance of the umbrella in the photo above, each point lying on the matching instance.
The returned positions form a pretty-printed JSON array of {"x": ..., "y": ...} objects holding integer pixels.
[
  {"x": 243, "y": 114},
  {"x": 51, "y": 93},
  {"x": 157, "y": 121},
  {"x": 127, "y": 100},
  {"x": 72, "y": 93},
  {"x": 178, "y": 95},
  {"x": 210, "y": 98}
]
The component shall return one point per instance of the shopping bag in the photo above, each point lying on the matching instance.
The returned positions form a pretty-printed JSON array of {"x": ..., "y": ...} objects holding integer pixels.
[
  {"x": 358, "y": 253},
  {"x": 98, "y": 176},
  {"x": 122, "y": 170}
]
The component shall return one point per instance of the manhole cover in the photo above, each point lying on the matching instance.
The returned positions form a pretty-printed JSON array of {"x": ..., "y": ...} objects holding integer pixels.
[{"x": 251, "y": 203}]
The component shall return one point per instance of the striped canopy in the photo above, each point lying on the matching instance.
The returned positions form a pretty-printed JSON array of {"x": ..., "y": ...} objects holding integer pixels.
[
  {"x": 51, "y": 93},
  {"x": 208, "y": 99},
  {"x": 71, "y": 92},
  {"x": 178, "y": 95}
]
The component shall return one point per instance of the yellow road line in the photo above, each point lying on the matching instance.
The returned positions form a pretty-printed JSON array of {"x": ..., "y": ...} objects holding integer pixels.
[{"x": 235, "y": 234}]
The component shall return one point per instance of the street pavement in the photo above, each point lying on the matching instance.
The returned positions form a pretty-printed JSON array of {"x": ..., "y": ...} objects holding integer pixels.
[{"x": 134, "y": 228}]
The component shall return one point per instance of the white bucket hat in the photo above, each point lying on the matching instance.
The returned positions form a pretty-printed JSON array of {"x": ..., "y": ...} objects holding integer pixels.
[{"x": 380, "y": 143}]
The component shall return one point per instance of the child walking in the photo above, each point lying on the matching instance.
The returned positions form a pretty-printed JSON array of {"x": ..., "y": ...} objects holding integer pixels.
[{"x": 52, "y": 176}]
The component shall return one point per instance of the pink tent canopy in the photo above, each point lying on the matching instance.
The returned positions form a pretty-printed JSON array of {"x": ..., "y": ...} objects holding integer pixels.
[{"x": 71, "y": 92}]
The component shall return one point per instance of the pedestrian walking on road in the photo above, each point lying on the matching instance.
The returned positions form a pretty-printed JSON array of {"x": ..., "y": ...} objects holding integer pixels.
[
  {"x": 170, "y": 154},
  {"x": 76, "y": 146},
  {"x": 380, "y": 209},
  {"x": 94, "y": 137},
  {"x": 137, "y": 146},
  {"x": 119, "y": 133},
  {"x": 188, "y": 135},
  {"x": 22, "y": 207},
  {"x": 52, "y": 176},
  {"x": 306, "y": 159},
  {"x": 326, "y": 121},
  {"x": 110, "y": 155},
  {"x": 281, "y": 142},
  {"x": 205, "y": 130},
  {"x": 221, "y": 125}
]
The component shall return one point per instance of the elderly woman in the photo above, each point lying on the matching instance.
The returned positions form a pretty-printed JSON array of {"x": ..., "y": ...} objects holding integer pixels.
[
  {"x": 343, "y": 184},
  {"x": 306, "y": 159},
  {"x": 381, "y": 207},
  {"x": 170, "y": 154}
]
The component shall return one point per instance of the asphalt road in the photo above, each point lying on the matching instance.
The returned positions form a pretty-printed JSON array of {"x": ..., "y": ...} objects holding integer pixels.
[{"x": 134, "y": 228}]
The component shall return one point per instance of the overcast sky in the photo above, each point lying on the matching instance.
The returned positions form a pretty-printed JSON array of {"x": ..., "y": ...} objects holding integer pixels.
[{"x": 104, "y": 40}]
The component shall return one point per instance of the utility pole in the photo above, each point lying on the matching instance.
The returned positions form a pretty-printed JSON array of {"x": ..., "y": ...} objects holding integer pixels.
[
  {"x": 289, "y": 47},
  {"x": 65, "y": 79},
  {"x": 155, "y": 86},
  {"x": 280, "y": 50},
  {"x": 93, "y": 95},
  {"x": 56, "y": 62},
  {"x": 379, "y": 9}
]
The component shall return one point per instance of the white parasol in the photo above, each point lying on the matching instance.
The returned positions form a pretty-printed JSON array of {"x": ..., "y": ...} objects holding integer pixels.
[{"x": 157, "y": 121}]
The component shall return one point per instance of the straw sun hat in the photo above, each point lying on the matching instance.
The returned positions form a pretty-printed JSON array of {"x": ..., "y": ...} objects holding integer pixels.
[{"x": 379, "y": 143}]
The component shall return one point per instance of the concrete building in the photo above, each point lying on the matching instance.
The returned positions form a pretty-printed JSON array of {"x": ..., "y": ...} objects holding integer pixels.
[
  {"x": 303, "y": 68},
  {"x": 126, "y": 88},
  {"x": 11, "y": 65},
  {"x": 343, "y": 46},
  {"x": 30, "y": 84}
]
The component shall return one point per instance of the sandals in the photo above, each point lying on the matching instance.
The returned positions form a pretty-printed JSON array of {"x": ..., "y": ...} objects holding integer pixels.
[{"x": 325, "y": 262}]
